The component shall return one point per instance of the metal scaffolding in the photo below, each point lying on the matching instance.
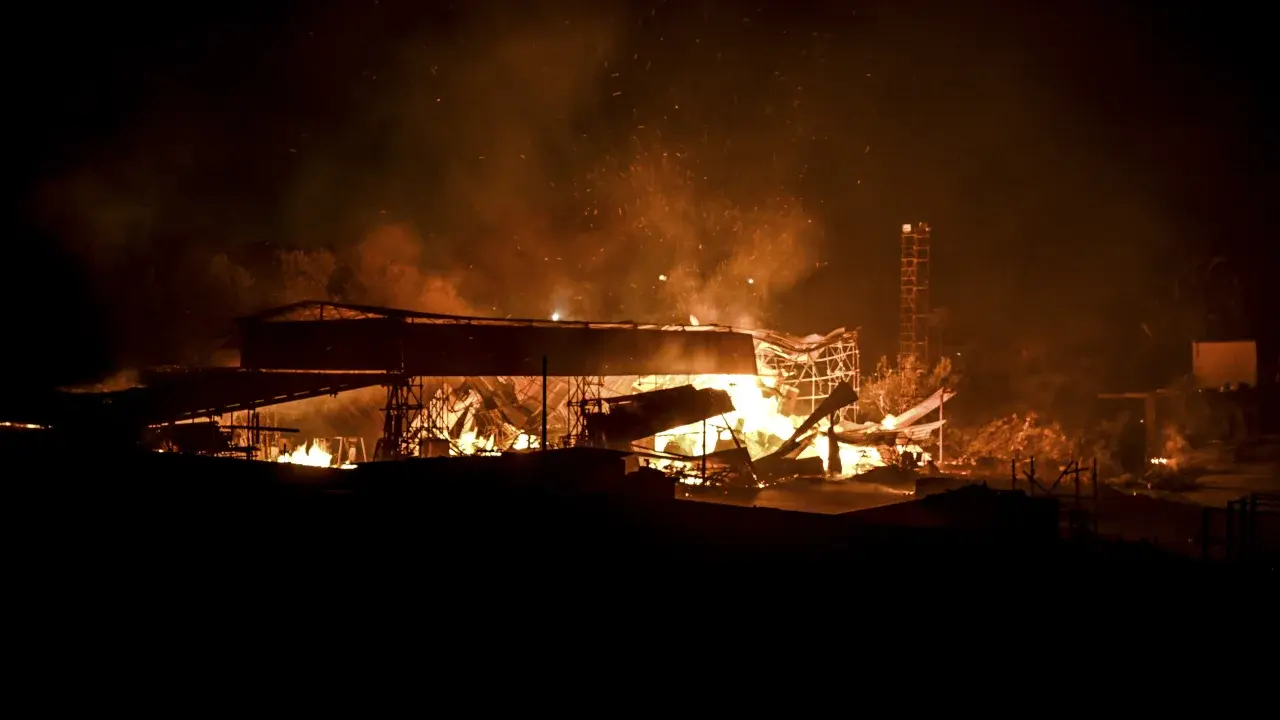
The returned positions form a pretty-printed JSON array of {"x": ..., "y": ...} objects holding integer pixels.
[
  {"x": 403, "y": 420},
  {"x": 435, "y": 422},
  {"x": 809, "y": 372},
  {"x": 255, "y": 435},
  {"x": 586, "y": 397},
  {"x": 913, "y": 306}
]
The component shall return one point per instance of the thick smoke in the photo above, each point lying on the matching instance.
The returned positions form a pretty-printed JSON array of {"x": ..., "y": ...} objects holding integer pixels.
[
  {"x": 385, "y": 268},
  {"x": 695, "y": 252},
  {"x": 525, "y": 166}
]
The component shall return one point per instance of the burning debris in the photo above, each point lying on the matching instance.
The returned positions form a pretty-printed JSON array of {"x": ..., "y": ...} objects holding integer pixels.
[
  {"x": 744, "y": 408},
  {"x": 797, "y": 417},
  {"x": 319, "y": 452}
]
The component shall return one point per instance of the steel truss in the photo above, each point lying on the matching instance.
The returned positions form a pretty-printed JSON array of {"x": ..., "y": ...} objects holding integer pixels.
[
  {"x": 410, "y": 417},
  {"x": 586, "y": 397},
  {"x": 809, "y": 374},
  {"x": 913, "y": 305}
]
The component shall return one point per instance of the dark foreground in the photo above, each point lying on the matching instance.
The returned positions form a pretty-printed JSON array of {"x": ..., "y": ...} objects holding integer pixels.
[{"x": 122, "y": 523}]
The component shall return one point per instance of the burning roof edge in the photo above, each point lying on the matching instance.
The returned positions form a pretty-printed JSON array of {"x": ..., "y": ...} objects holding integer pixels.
[{"x": 321, "y": 310}]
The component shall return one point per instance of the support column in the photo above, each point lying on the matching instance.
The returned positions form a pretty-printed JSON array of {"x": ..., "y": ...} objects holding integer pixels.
[
  {"x": 404, "y": 420},
  {"x": 585, "y": 399}
]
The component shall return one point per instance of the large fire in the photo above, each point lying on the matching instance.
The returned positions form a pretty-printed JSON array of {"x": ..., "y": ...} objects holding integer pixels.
[
  {"x": 314, "y": 454},
  {"x": 758, "y": 424}
]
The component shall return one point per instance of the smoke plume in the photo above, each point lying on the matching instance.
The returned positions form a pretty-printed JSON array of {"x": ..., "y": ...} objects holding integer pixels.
[{"x": 592, "y": 165}]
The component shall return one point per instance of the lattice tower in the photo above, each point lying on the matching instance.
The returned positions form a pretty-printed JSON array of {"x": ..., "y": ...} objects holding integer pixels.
[{"x": 913, "y": 307}]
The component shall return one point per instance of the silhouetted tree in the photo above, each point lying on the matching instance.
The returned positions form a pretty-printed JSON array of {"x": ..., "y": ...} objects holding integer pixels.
[{"x": 890, "y": 390}]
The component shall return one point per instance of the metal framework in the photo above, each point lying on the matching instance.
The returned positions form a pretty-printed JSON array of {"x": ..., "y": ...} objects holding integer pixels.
[
  {"x": 913, "y": 306},
  {"x": 586, "y": 397},
  {"x": 410, "y": 418},
  {"x": 1241, "y": 539},
  {"x": 251, "y": 436},
  {"x": 810, "y": 371},
  {"x": 435, "y": 417},
  {"x": 319, "y": 310},
  {"x": 405, "y": 419},
  {"x": 348, "y": 450},
  {"x": 1082, "y": 510}
]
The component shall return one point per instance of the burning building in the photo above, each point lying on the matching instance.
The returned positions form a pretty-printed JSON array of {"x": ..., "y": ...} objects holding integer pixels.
[
  {"x": 688, "y": 398},
  {"x": 713, "y": 404}
]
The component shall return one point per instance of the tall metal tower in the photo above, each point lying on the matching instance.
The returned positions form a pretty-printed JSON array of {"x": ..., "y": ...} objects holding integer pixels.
[{"x": 913, "y": 306}]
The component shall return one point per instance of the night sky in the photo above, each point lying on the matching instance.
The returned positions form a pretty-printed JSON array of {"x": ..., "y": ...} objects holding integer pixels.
[{"x": 1081, "y": 164}]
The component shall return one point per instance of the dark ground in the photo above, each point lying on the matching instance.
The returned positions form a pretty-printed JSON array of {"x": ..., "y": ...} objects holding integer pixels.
[{"x": 126, "y": 526}]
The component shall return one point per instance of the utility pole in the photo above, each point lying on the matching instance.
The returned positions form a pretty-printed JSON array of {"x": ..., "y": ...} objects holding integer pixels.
[{"x": 942, "y": 400}]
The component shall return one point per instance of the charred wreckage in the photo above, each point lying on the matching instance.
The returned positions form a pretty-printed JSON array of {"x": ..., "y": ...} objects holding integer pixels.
[{"x": 713, "y": 406}]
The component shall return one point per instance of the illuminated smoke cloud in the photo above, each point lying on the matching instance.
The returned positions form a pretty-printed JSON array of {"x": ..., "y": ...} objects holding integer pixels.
[
  {"x": 687, "y": 249},
  {"x": 530, "y": 164}
]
